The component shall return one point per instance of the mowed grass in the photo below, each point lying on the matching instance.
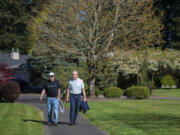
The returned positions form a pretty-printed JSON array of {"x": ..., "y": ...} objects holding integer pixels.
[
  {"x": 15, "y": 119},
  {"x": 166, "y": 92},
  {"x": 136, "y": 117}
]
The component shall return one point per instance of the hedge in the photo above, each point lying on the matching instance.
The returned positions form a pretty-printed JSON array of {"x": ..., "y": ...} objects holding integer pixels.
[
  {"x": 98, "y": 92},
  {"x": 113, "y": 92},
  {"x": 169, "y": 81},
  {"x": 138, "y": 92},
  {"x": 9, "y": 91}
]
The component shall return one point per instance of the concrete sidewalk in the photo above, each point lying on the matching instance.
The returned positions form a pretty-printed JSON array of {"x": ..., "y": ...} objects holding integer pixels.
[{"x": 63, "y": 128}]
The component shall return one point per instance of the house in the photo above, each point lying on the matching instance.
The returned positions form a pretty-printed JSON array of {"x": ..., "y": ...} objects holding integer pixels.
[{"x": 16, "y": 62}]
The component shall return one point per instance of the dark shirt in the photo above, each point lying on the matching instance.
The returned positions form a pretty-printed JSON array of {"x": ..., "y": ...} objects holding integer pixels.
[{"x": 51, "y": 88}]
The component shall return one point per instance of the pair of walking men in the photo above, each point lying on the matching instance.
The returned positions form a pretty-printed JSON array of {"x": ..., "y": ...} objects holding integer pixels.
[{"x": 74, "y": 93}]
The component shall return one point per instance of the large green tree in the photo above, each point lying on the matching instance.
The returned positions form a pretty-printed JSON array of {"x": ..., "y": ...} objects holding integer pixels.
[
  {"x": 14, "y": 30},
  {"x": 92, "y": 29},
  {"x": 171, "y": 19},
  {"x": 172, "y": 10},
  {"x": 15, "y": 24}
]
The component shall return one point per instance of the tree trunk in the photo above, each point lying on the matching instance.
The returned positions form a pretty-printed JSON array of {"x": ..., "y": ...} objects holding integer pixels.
[
  {"x": 150, "y": 90},
  {"x": 92, "y": 78},
  {"x": 92, "y": 85}
]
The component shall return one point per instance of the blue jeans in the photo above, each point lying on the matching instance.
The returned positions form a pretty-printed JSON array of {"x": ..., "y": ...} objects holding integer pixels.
[
  {"x": 74, "y": 107},
  {"x": 52, "y": 103}
]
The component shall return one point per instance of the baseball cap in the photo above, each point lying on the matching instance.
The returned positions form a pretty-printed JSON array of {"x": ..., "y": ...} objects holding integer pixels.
[{"x": 51, "y": 74}]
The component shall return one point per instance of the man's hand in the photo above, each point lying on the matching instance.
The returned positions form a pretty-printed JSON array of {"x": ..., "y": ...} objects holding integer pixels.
[
  {"x": 84, "y": 99},
  {"x": 42, "y": 94},
  {"x": 67, "y": 96},
  {"x": 59, "y": 98},
  {"x": 41, "y": 98},
  {"x": 84, "y": 95},
  {"x": 59, "y": 94},
  {"x": 67, "y": 99}
]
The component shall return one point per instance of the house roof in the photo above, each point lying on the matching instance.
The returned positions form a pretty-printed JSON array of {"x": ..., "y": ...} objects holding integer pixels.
[{"x": 5, "y": 58}]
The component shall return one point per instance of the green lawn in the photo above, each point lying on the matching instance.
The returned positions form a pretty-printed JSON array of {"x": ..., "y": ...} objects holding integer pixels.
[
  {"x": 166, "y": 92},
  {"x": 136, "y": 117},
  {"x": 15, "y": 119}
]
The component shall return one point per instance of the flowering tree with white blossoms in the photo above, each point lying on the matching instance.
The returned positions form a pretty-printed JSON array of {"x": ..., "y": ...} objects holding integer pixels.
[
  {"x": 157, "y": 60},
  {"x": 130, "y": 62}
]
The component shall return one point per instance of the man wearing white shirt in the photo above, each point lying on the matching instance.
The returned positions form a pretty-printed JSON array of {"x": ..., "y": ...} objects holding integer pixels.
[{"x": 75, "y": 91}]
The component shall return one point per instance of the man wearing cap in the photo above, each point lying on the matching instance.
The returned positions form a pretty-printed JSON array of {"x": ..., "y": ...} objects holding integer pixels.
[
  {"x": 52, "y": 89},
  {"x": 75, "y": 91}
]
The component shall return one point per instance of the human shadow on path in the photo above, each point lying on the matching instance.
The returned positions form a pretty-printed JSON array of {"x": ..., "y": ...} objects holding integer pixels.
[{"x": 44, "y": 122}]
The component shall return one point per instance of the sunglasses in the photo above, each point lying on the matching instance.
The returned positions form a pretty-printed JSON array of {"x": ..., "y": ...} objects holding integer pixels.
[{"x": 74, "y": 74}]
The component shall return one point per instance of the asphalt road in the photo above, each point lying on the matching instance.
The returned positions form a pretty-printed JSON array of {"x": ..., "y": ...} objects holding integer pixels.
[{"x": 63, "y": 128}]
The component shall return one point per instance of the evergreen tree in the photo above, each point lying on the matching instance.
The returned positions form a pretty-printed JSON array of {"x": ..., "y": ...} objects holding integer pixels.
[
  {"x": 173, "y": 24},
  {"x": 15, "y": 24},
  {"x": 106, "y": 74},
  {"x": 171, "y": 9},
  {"x": 39, "y": 67},
  {"x": 14, "y": 32}
]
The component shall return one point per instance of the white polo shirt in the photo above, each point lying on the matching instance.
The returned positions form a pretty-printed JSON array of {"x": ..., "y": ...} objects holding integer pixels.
[{"x": 76, "y": 86}]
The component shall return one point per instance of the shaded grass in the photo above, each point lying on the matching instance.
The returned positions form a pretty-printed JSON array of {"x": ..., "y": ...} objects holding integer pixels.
[
  {"x": 136, "y": 117},
  {"x": 12, "y": 120},
  {"x": 166, "y": 92}
]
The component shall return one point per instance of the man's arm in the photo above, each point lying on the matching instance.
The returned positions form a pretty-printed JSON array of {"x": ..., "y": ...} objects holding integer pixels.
[
  {"x": 84, "y": 94},
  {"x": 67, "y": 96},
  {"x": 42, "y": 94},
  {"x": 83, "y": 91},
  {"x": 59, "y": 94}
]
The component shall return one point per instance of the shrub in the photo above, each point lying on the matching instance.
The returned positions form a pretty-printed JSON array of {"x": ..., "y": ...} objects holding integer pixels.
[
  {"x": 97, "y": 92},
  {"x": 9, "y": 91},
  {"x": 106, "y": 75},
  {"x": 113, "y": 92},
  {"x": 168, "y": 81},
  {"x": 138, "y": 92}
]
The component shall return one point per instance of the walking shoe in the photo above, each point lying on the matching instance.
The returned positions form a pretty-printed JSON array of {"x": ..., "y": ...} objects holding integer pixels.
[
  {"x": 49, "y": 123},
  {"x": 75, "y": 123},
  {"x": 71, "y": 124},
  {"x": 55, "y": 124}
]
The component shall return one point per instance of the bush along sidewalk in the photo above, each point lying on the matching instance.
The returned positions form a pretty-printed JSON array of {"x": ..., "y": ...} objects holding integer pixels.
[
  {"x": 113, "y": 92},
  {"x": 138, "y": 92},
  {"x": 98, "y": 92},
  {"x": 9, "y": 91}
]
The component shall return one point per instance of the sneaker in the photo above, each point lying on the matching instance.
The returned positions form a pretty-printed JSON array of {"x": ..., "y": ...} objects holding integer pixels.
[
  {"x": 49, "y": 123},
  {"x": 55, "y": 124},
  {"x": 71, "y": 124},
  {"x": 75, "y": 123}
]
